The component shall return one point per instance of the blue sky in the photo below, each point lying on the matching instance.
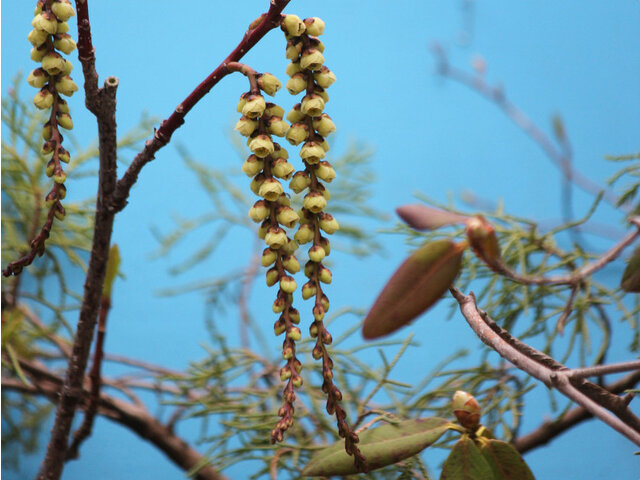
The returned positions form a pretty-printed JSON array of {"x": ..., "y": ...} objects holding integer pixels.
[{"x": 577, "y": 59}]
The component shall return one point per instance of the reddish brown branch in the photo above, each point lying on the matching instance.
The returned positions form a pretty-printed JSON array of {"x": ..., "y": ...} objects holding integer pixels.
[{"x": 268, "y": 21}]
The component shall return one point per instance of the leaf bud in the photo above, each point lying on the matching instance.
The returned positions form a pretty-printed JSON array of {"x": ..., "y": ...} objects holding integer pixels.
[
  {"x": 53, "y": 63},
  {"x": 65, "y": 85},
  {"x": 292, "y": 25},
  {"x": 272, "y": 277},
  {"x": 291, "y": 264},
  {"x": 259, "y": 211},
  {"x": 254, "y": 106},
  {"x": 276, "y": 126},
  {"x": 286, "y": 216},
  {"x": 324, "y": 77},
  {"x": 64, "y": 43},
  {"x": 300, "y": 181},
  {"x": 312, "y": 153},
  {"x": 279, "y": 327},
  {"x": 38, "y": 78},
  {"x": 482, "y": 238},
  {"x": 270, "y": 189},
  {"x": 294, "y": 334},
  {"x": 43, "y": 99},
  {"x": 65, "y": 121},
  {"x": 312, "y": 59},
  {"x": 268, "y": 257},
  {"x": 314, "y": 202},
  {"x": 304, "y": 234},
  {"x": 312, "y": 105},
  {"x": 285, "y": 372},
  {"x": 297, "y": 83},
  {"x": 269, "y": 84},
  {"x": 297, "y": 134},
  {"x": 324, "y": 125},
  {"x": 316, "y": 254},
  {"x": 261, "y": 145},
  {"x": 252, "y": 166},
  {"x": 273, "y": 110},
  {"x": 308, "y": 290},
  {"x": 318, "y": 313},
  {"x": 288, "y": 284},
  {"x": 63, "y": 10},
  {"x": 275, "y": 238},
  {"x": 466, "y": 409},
  {"x": 325, "y": 275},
  {"x": 37, "y": 37},
  {"x": 328, "y": 223},
  {"x": 246, "y": 126},
  {"x": 59, "y": 211},
  {"x": 295, "y": 115},
  {"x": 45, "y": 21},
  {"x": 293, "y": 68}
]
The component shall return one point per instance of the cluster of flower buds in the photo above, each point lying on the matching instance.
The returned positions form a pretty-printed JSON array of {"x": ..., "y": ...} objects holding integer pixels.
[
  {"x": 268, "y": 166},
  {"x": 309, "y": 127},
  {"x": 50, "y": 40}
]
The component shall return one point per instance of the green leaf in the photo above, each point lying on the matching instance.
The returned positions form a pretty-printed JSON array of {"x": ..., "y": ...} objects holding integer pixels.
[
  {"x": 465, "y": 462},
  {"x": 113, "y": 264},
  {"x": 381, "y": 446},
  {"x": 631, "y": 277},
  {"x": 417, "y": 285},
  {"x": 505, "y": 461}
]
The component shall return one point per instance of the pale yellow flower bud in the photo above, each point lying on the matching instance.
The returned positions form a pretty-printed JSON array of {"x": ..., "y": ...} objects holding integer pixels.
[
  {"x": 294, "y": 334},
  {"x": 274, "y": 110},
  {"x": 254, "y": 106},
  {"x": 324, "y": 95},
  {"x": 270, "y": 189},
  {"x": 278, "y": 305},
  {"x": 63, "y": 155},
  {"x": 67, "y": 67},
  {"x": 293, "y": 50},
  {"x": 308, "y": 290},
  {"x": 325, "y": 275},
  {"x": 275, "y": 238},
  {"x": 259, "y": 211},
  {"x": 38, "y": 55},
  {"x": 242, "y": 102},
  {"x": 59, "y": 211},
  {"x": 63, "y": 10},
  {"x": 297, "y": 83},
  {"x": 261, "y": 145},
  {"x": 276, "y": 126},
  {"x": 293, "y": 25},
  {"x": 246, "y": 126},
  {"x": 324, "y": 171},
  {"x": 46, "y": 131},
  {"x": 288, "y": 284},
  {"x": 268, "y": 257},
  {"x": 252, "y": 166},
  {"x": 257, "y": 182},
  {"x": 293, "y": 68},
  {"x": 64, "y": 120},
  {"x": 324, "y": 243},
  {"x": 304, "y": 234},
  {"x": 43, "y": 99},
  {"x": 279, "y": 327},
  {"x": 285, "y": 372},
  {"x": 297, "y": 134},
  {"x": 59, "y": 176},
  {"x": 295, "y": 115},
  {"x": 283, "y": 200},
  {"x": 312, "y": 59},
  {"x": 314, "y": 202},
  {"x": 53, "y": 63},
  {"x": 286, "y": 216},
  {"x": 63, "y": 106},
  {"x": 466, "y": 409},
  {"x": 316, "y": 254},
  {"x": 66, "y": 86},
  {"x": 314, "y": 26},
  {"x": 269, "y": 84},
  {"x": 328, "y": 223},
  {"x": 279, "y": 152},
  {"x": 312, "y": 153},
  {"x": 45, "y": 21},
  {"x": 324, "y": 77},
  {"x": 299, "y": 182},
  {"x": 324, "y": 125},
  {"x": 51, "y": 166},
  {"x": 312, "y": 105},
  {"x": 272, "y": 277},
  {"x": 291, "y": 264},
  {"x": 37, "y": 37},
  {"x": 63, "y": 27},
  {"x": 290, "y": 247},
  {"x": 282, "y": 169},
  {"x": 64, "y": 43},
  {"x": 38, "y": 78}
]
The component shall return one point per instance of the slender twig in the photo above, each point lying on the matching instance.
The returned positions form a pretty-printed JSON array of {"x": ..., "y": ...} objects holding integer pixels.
[
  {"x": 268, "y": 21},
  {"x": 566, "y": 311},
  {"x": 553, "y": 377},
  {"x": 551, "y": 429},
  {"x": 598, "y": 370}
]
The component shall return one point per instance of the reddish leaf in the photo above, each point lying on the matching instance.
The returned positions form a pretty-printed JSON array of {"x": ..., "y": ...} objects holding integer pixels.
[
  {"x": 422, "y": 217},
  {"x": 417, "y": 284}
]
